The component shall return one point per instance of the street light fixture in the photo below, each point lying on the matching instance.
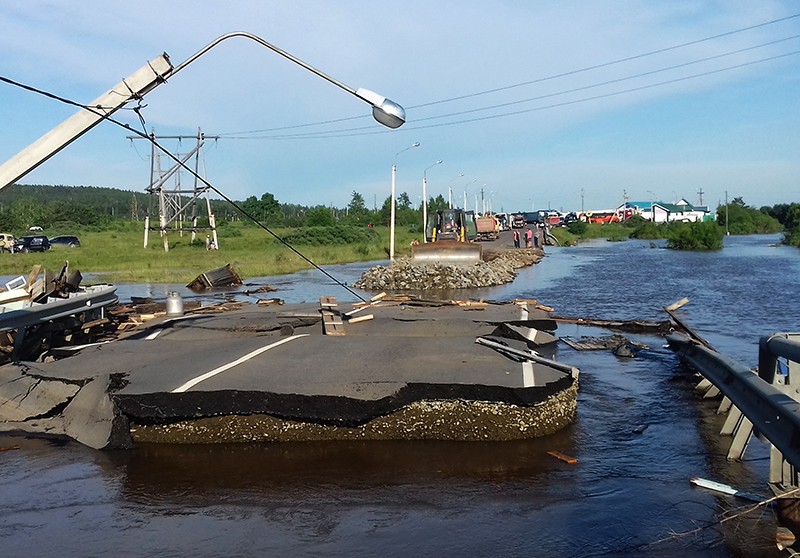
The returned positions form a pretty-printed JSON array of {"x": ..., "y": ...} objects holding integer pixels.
[
  {"x": 392, "y": 218},
  {"x": 425, "y": 201},
  {"x": 384, "y": 110}
]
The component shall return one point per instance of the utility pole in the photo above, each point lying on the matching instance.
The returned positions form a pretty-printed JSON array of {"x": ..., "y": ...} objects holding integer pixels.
[
  {"x": 700, "y": 193},
  {"x": 582, "y": 194},
  {"x": 727, "y": 232}
]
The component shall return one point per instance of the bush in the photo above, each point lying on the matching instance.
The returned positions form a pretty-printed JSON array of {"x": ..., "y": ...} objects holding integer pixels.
[
  {"x": 695, "y": 236},
  {"x": 337, "y": 235},
  {"x": 577, "y": 228},
  {"x": 648, "y": 231}
]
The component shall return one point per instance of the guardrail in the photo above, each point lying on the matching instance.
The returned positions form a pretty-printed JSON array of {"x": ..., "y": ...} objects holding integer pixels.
[{"x": 768, "y": 401}]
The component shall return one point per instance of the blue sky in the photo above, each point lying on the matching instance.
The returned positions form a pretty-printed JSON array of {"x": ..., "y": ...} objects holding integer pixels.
[{"x": 477, "y": 80}]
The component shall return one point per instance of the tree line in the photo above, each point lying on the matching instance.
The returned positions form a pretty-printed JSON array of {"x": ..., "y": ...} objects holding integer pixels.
[{"x": 23, "y": 206}]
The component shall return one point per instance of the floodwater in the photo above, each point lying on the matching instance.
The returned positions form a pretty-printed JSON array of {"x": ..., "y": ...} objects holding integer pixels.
[{"x": 628, "y": 494}]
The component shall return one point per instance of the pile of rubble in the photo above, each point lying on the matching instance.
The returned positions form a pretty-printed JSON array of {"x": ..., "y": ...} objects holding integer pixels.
[{"x": 404, "y": 274}]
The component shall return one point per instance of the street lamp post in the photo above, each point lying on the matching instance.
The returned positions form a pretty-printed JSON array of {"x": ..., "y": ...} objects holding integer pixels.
[
  {"x": 450, "y": 191},
  {"x": 465, "y": 193},
  {"x": 392, "y": 218},
  {"x": 652, "y": 206},
  {"x": 425, "y": 201}
]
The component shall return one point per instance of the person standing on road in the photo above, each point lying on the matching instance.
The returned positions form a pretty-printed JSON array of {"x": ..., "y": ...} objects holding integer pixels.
[
  {"x": 528, "y": 238},
  {"x": 516, "y": 238}
]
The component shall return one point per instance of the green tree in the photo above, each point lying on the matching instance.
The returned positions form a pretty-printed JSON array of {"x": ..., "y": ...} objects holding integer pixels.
[
  {"x": 437, "y": 203},
  {"x": 403, "y": 201},
  {"x": 357, "y": 211},
  {"x": 739, "y": 218},
  {"x": 319, "y": 216},
  {"x": 695, "y": 236}
]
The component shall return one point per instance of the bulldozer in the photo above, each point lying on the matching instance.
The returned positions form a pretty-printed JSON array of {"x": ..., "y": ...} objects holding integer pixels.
[{"x": 448, "y": 239}]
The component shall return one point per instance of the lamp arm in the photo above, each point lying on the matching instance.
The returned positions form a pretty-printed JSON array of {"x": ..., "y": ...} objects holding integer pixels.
[{"x": 384, "y": 110}]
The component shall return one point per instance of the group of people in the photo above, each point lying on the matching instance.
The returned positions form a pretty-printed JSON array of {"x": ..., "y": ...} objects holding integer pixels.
[{"x": 528, "y": 236}]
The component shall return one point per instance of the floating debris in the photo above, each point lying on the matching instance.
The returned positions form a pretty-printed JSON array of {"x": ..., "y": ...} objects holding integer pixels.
[{"x": 221, "y": 277}]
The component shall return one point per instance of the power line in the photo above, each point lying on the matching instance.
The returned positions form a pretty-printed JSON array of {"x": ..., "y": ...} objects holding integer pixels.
[
  {"x": 539, "y": 80},
  {"x": 349, "y": 132}
]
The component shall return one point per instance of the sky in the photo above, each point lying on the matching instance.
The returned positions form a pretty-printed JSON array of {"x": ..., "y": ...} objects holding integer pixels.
[{"x": 561, "y": 104}]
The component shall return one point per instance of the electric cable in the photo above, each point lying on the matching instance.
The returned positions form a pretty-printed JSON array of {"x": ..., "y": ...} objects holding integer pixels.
[
  {"x": 542, "y": 79},
  {"x": 153, "y": 141}
]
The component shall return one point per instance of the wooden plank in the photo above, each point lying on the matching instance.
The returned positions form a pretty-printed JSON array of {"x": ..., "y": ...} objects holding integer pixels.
[
  {"x": 675, "y": 305},
  {"x": 327, "y": 302},
  {"x": 563, "y": 457},
  {"x": 332, "y": 323},
  {"x": 35, "y": 271},
  {"x": 360, "y": 319}
]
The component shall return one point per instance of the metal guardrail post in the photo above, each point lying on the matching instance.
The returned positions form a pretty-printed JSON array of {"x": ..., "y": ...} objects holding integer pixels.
[
  {"x": 774, "y": 413},
  {"x": 773, "y": 346}
]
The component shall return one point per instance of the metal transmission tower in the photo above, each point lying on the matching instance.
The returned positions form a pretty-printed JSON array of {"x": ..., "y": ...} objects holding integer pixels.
[{"x": 177, "y": 204}]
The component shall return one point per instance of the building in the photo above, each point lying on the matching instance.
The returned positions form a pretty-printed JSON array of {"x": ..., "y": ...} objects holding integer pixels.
[{"x": 668, "y": 212}]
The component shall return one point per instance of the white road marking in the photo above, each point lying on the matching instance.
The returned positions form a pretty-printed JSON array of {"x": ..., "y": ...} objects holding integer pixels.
[
  {"x": 194, "y": 381},
  {"x": 527, "y": 374}
]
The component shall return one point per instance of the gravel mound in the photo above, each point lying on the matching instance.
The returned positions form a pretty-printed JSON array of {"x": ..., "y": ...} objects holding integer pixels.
[{"x": 404, "y": 274}]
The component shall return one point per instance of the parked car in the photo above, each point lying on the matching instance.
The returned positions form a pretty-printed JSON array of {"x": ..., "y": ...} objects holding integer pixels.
[
  {"x": 7, "y": 242},
  {"x": 33, "y": 243},
  {"x": 66, "y": 240}
]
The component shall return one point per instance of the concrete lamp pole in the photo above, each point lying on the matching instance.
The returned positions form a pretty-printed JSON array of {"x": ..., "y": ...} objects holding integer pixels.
[
  {"x": 450, "y": 191},
  {"x": 425, "y": 200},
  {"x": 465, "y": 192},
  {"x": 652, "y": 206},
  {"x": 392, "y": 217}
]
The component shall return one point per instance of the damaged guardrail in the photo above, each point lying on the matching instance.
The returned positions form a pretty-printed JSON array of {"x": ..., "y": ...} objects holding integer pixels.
[{"x": 767, "y": 399}]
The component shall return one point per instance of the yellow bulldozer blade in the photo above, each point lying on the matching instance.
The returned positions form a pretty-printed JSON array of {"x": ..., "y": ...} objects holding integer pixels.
[{"x": 447, "y": 252}]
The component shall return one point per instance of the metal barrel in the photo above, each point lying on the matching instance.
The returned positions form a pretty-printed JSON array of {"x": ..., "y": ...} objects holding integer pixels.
[{"x": 174, "y": 304}]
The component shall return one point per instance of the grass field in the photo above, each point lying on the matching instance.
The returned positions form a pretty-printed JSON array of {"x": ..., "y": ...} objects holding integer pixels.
[{"x": 119, "y": 256}]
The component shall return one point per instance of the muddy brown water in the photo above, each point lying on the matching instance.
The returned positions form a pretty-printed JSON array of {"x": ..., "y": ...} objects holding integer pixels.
[{"x": 641, "y": 434}]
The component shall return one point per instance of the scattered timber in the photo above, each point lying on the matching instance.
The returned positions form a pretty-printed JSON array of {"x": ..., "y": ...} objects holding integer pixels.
[{"x": 631, "y": 326}]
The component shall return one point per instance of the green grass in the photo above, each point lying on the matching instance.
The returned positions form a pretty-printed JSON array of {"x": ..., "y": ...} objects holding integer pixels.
[{"x": 119, "y": 256}]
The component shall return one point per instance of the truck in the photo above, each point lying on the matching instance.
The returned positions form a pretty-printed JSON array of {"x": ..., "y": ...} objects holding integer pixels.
[{"x": 488, "y": 227}]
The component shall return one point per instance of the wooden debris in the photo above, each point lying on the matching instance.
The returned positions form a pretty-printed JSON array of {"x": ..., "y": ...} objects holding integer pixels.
[
  {"x": 9, "y": 448},
  {"x": 633, "y": 326},
  {"x": 269, "y": 301},
  {"x": 221, "y": 277},
  {"x": 471, "y": 304},
  {"x": 357, "y": 319},
  {"x": 331, "y": 319},
  {"x": 612, "y": 342},
  {"x": 676, "y": 305},
  {"x": 35, "y": 271},
  {"x": 94, "y": 323},
  {"x": 563, "y": 457}
]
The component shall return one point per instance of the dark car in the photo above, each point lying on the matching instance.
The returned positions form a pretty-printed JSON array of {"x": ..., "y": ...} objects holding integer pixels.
[
  {"x": 33, "y": 243},
  {"x": 70, "y": 241}
]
